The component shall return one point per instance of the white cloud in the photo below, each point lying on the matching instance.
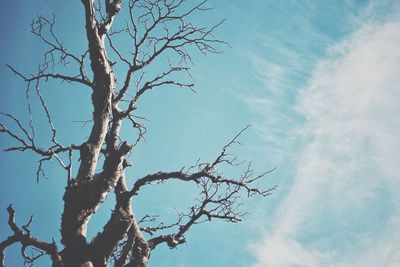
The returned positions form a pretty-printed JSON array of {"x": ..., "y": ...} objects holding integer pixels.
[
  {"x": 344, "y": 206},
  {"x": 271, "y": 74},
  {"x": 286, "y": 252}
]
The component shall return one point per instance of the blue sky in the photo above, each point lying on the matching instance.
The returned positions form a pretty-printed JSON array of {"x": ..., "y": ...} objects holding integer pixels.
[{"x": 318, "y": 81}]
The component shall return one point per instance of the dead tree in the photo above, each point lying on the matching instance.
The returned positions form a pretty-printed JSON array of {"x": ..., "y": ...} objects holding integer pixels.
[{"x": 159, "y": 33}]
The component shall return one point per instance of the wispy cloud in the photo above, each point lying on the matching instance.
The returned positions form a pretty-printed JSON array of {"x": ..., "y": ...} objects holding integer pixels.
[
  {"x": 344, "y": 206},
  {"x": 284, "y": 50}
]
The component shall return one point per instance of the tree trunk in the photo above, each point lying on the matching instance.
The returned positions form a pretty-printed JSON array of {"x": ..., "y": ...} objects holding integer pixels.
[{"x": 84, "y": 195}]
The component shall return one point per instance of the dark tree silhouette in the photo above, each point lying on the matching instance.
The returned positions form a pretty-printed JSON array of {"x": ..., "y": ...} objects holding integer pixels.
[{"x": 156, "y": 29}]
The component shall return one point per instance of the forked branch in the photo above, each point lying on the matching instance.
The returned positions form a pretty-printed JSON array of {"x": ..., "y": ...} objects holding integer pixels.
[
  {"x": 220, "y": 196},
  {"x": 157, "y": 27},
  {"x": 25, "y": 238}
]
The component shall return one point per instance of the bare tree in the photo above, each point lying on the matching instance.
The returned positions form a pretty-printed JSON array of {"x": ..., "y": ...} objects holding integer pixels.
[{"x": 159, "y": 33}]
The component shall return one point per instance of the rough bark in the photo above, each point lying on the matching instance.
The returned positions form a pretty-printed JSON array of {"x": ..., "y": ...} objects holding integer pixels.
[{"x": 83, "y": 196}]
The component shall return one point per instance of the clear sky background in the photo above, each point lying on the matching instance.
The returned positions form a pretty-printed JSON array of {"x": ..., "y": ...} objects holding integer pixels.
[{"x": 318, "y": 81}]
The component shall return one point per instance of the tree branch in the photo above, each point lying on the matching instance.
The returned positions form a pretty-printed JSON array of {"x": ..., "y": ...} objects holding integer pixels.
[
  {"x": 220, "y": 195},
  {"x": 209, "y": 171},
  {"x": 24, "y": 237},
  {"x": 27, "y": 143},
  {"x": 46, "y": 76},
  {"x": 162, "y": 16},
  {"x": 112, "y": 9}
]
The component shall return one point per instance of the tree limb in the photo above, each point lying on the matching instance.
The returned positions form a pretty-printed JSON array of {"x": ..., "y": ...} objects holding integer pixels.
[
  {"x": 24, "y": 237},
  {"x": 46, "y": 76}
]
